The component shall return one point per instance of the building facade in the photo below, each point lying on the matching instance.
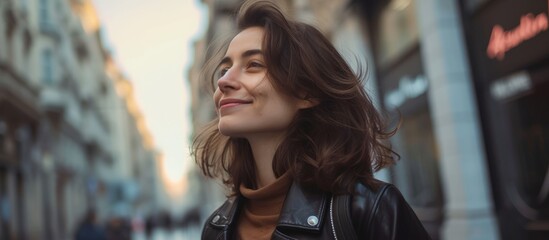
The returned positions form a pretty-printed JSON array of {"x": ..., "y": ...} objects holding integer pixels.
[
  {"x": 509, "y": 54},
  {"x": 425, "y": 78},
  {"x": 61, "y": 148},
  {"x": 466, "y": 81}
]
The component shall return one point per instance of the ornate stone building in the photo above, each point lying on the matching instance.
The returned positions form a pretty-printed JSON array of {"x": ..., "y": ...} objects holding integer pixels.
[{"x": 71, "y": 135}]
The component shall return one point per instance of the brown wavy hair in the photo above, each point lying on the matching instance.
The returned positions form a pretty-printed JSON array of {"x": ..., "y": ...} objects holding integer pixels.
[{"x": 331, "y": 146}]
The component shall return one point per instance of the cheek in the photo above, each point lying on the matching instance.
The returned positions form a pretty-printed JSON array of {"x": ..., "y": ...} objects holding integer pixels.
[
  {"x": 216, "y": 98},
  {"x": 263, "y": 92},
  {"x": 280, "y": 109}
]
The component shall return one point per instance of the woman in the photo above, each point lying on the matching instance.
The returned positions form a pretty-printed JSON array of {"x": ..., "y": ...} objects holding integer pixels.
[{"x": 297, "y": 140}]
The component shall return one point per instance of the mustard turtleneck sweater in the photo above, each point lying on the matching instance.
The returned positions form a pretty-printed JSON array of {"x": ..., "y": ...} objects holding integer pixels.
[{"x": 262, "y": 208}]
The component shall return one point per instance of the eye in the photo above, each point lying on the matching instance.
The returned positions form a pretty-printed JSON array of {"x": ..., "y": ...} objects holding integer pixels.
[
  {"x": 223, "y": 71},
  {"x": 255, "y": 65}
]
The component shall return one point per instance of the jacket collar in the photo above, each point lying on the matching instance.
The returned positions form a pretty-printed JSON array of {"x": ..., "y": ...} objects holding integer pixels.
[
  {"x": 226, "y": 214},
  {"x": 304, "y": 208}
]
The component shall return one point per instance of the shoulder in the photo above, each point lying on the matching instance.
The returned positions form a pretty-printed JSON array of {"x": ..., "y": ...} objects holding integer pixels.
[
  {"x": 366, "y": 200},
  {"x": 376, "y": 193},
  {"x": 380, "y": 210}
]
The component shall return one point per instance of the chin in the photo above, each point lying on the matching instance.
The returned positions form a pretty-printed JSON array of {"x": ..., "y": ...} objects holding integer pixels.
[
  {"x": 233, "y": 134},
  {"x": 229, "y": 131},
  {"x": 225, "y": 132}
]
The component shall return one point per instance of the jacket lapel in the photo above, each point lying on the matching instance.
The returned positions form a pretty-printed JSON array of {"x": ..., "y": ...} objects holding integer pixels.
[
  {"x": 221, "y": 223},
  {"x": 304, "y": 208}
]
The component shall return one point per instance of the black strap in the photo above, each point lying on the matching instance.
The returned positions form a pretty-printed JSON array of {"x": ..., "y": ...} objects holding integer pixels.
[{"x": 343, "y": 223}]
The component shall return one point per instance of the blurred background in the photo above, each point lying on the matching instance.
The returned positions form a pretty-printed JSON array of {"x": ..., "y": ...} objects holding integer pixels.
[{"x": 100, "y": 99}]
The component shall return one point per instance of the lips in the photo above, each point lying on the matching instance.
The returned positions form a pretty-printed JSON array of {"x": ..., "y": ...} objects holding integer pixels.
[{"x": 231, "y": 102}]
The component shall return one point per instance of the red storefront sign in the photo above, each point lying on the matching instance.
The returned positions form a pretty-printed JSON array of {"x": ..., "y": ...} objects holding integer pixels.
[{"x": 502, "y": 41}]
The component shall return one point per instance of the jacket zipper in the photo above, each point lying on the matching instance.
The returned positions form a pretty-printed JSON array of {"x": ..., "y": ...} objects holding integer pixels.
[{"x": 332, "y": 217}]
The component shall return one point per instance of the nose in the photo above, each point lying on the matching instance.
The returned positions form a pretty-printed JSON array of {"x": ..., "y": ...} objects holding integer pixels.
[{"x": 229, "y": 81}]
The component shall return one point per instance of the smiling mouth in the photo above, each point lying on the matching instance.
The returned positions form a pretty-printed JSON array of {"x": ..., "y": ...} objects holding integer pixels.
[
  {"x": 228, "y": 103},
  {"x": 231, "y": 105}
]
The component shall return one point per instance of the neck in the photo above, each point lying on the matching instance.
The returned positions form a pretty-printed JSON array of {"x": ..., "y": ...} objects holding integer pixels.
[{"x": 263, "y": 150}]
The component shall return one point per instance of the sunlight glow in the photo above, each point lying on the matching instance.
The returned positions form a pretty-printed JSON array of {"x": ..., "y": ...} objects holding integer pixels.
[
  {"x": 152, "y": 43},
  {"x": 172, "y": 177}
]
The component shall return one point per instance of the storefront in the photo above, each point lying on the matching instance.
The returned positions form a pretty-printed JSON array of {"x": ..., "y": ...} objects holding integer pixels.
[
  {"x": 403, "y": 90},
  {"x": 18, "y": 124},
  {"x": 508, "y": 45}
]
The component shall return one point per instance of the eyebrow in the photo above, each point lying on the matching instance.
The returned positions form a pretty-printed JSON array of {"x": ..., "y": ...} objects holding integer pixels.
[{"x": 247, "y": 53}]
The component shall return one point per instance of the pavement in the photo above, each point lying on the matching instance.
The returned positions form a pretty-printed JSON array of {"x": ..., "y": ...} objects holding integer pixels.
[{"x": 176, "y": 234}]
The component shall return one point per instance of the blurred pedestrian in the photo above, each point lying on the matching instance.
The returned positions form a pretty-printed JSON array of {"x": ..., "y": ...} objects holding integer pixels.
[
  {"x": 118, "y": 228},
  {"x": 297, "y": 140},
  {"x": 88, "y": 229},
  {"x": 149, "y": 226}
]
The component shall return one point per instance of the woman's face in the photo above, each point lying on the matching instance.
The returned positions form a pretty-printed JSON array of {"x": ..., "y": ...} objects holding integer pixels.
[{"x": 246, "y": 102}]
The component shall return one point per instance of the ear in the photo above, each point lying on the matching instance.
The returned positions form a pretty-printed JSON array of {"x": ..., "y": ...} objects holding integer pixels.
[{"x": 307, "y": 103}]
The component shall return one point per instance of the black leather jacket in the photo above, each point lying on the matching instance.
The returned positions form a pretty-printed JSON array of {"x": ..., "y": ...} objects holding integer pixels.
[{"x": 380, "y": 213}]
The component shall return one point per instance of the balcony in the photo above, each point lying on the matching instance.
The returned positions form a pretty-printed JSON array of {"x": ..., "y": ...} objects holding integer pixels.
[
  {"x": 96, "y": 136},
  {"x": 52, "y": 101},
  {"x": 15, "y": 84}
]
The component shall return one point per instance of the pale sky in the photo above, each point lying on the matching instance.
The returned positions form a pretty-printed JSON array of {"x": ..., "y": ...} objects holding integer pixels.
[{"x": 152, "y": 43}]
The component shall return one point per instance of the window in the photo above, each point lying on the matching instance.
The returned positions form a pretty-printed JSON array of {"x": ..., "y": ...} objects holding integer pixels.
[
  {"x": 530, "y": 127},
  {"x": 473, "y": 5},
  {"x": 44, "y": 13},
  {"x": 3, "y": 133},
  {"x": 47, "y": 67},
  {"x": 24, "y": 4}
]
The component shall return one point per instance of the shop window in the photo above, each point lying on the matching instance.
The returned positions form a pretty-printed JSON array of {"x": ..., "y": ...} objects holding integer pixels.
[
  {"x": 419, "y": 149},
  {"x": 404, "y": 93},
  {"x": 473, "y": 5},
  {"x": 417, "y": 172},
  {"x": 397, "y": 30},
  {"x": 530, "y": 125}
]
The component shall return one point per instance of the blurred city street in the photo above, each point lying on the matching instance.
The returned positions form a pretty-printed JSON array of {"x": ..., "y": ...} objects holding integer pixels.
[{"x": 176, "y": 234}]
